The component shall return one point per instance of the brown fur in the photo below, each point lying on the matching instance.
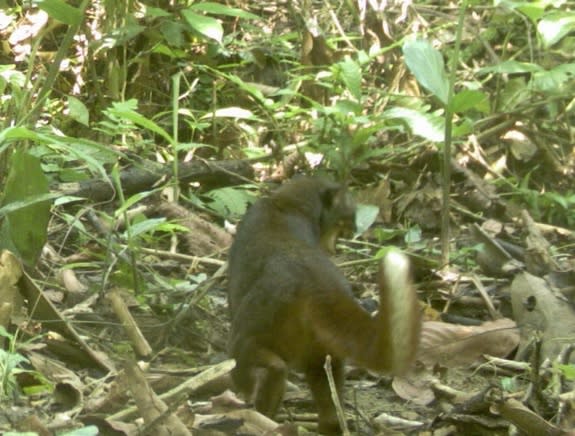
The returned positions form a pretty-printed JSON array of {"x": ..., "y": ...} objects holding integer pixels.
[{"x": 291, "y": 306}]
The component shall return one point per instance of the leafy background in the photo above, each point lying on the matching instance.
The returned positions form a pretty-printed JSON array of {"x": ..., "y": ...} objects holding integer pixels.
[{"x": 407, "y": 103}]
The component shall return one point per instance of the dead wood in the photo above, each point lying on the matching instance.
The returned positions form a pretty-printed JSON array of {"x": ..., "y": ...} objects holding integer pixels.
[
  {"x": 155, "y": 412},
  {"x": 143, "y": 177}
]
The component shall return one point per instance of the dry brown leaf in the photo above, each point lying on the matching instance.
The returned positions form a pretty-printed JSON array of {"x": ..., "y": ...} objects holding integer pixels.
[
  {"x": 452, "y": 345},
  {"x": 226, "y": 401},
  {"x": 415, "y": 386}
]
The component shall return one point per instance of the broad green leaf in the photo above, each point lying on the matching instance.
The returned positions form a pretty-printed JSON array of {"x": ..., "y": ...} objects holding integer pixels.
[
  {"x": 351, "y": 75},
  {"x": 25, "y": 228},
  {"x": 153, "y": 12},
  {"x": 556, "y": 81},
  {"x": 428, "y": 126},
  {"x": 345, "y": 107},
  {"x": 365, "y": 131},
  {"x": 78, "y": 111},
  {"x": 11, "y": 75},
  {"x": 365, "y": 216},
  {"x": 174, "y": 33},
  {"x": 463, "y": 128},
  {"x": 470, "y": 99},
  {"x": 511, "y": 67},
  {"x": 555, "y": 26},
  {"x": 61, "y": 11},
  {"x": 532, "y": 9},
  {"x": 206, "y": 26},
  {"x": 426, "y": 64},
  {"x": 229, "y": 201},
  {"x": 568, "y": 371},
  {"x": 219, "y": 9},
  {"x": 4, "y": 333},
  {"x": 413, "y": 235}
]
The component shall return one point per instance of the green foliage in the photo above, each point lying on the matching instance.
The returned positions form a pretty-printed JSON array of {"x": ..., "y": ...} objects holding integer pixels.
[
  {"x": 426, "y": 64},
  {"x": 210, "y": 27},
  {"x": 9, "y": 369},
  {"x": 342, "y": 133},
  {"x": 24, "y": 229},
  {"x": 89, "y": 430},
  {"x": 551, "y": 207},
  {"x": 61, "y": 11},
  {"x": 538, "y": 79},
  {"x": 365, "y": 216},
  {"x": 213, "y": 49},
  {"x": 11, "y": 363},
  {"x": 230, "y": 203},
  {"x": 568, "y": 371},
  {"x": 552, "y": 24}
]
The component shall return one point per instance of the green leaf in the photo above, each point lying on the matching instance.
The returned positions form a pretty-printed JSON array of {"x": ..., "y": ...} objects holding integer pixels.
[
  {"x": 61, "y": 11},
  {"x": 365, "y": 216},
  {"x": 28, "y": 201},
  {"x": 153, "y": 12},
  {"x": 345, "y": 107},
  {"x": 511, "y": 67},
  {"x": 78, "y": 111},
  {"x": 532, "y": 9},
  {"x": 90, "y": 430},
  {"x": 229, "y": 202},
  {"x": 470, "y": 99},
  {"x": 139, "y": 196},
  {"x": 146, "y": 226},
  {"x": 83, "y": 149},
  {"x": 351, "y": 75},
  {"x": 568, "y": 371},
  {"x": 555, "y": 26},
  {"x": 219, "y": 9},
  {"x": 413, "y": 235},
  {"x": 121, "y": 111},
  {"x": 206, "y": 26},
  {"x": 24, "y": 229},
  {"x": 428, "y": 126},
  {"x": 16, "y": 133},
  {"x": 248, "y": 87},
  {"x": 4, "y": 333},
  {"x": 173, "y": 32},
  {"x": 383, "y": 235},
  {"x": 556, "y": 81},
  {"x": 426, "y": 64}
]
